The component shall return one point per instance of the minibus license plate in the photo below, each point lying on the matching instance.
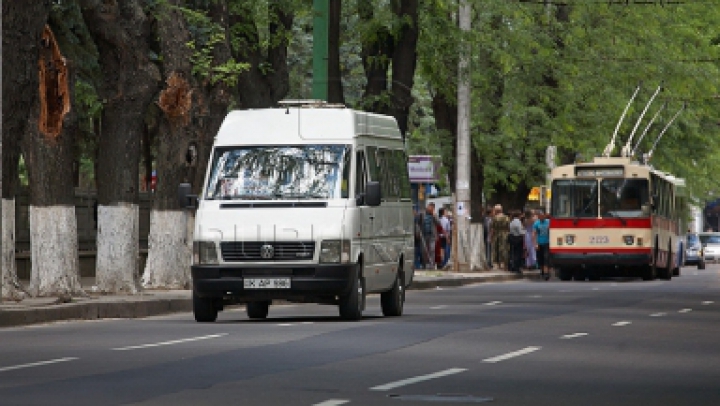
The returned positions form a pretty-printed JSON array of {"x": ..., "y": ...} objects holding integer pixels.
[{"x": 266, "y": 283}]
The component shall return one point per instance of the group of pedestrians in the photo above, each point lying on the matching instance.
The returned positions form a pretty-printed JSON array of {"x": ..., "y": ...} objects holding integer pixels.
[
  {"x": 518, "y": 240},
  {"x": 433, "y": 234}
]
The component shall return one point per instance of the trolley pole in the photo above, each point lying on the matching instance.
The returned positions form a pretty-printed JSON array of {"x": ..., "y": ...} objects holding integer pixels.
[{"x": 462, "y": 185}]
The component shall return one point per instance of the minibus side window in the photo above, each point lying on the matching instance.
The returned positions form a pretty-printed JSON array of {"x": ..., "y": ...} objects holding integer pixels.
[{"x": 359, "y": 173}]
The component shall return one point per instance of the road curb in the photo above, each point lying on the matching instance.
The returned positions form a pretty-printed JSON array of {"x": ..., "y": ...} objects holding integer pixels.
[
  {"x": 93, "y": 311},
  {"x": 461, "y": 281}
]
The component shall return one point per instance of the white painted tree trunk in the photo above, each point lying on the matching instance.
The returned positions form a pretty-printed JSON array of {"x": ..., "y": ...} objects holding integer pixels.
[
  {"x": 54, "y": 248},
  {"x": 471, "y": 248},
  {"x": 11, "y": 288},
  {"x": 117, "y": 266},
  {"x": 169, "y": 251}
]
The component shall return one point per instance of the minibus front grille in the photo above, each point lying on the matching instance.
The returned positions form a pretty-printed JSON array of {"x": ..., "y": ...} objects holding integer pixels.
[{"x": 242, "y": 251}]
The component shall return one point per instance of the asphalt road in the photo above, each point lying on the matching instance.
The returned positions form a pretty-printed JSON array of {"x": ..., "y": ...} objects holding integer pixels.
[{"x": 611, "y": 342}]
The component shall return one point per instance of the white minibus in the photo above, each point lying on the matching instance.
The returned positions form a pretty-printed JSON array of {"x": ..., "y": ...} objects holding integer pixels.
[{"x": 309, "y": 203}]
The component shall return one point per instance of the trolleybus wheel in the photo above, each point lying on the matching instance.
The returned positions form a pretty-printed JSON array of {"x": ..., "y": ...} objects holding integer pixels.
[{"x": 564, "y": 274}]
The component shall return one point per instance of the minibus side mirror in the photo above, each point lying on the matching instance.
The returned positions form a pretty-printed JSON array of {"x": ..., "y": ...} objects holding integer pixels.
[
  {"x": 372, "y": 194},
  {"x": 186, "y": 200}
]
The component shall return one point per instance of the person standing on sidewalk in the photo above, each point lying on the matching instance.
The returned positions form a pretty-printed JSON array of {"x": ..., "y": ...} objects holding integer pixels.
[
  {"x": 517, "y": 239},
  {"x": 445, "y": 237},
  {"x": 487, "y": 234},
  {"x": 429, "y": 231},
  {"x": 419, "y": 245},
  {"x": 530, "y": 255},
  {"x": 499, "y": 231},
  {"x": 541, "y": 235}
]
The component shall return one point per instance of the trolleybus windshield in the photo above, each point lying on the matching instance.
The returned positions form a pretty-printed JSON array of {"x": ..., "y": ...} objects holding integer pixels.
[
  {"x": 574, "y": 198},
  {"x": 623, "y": 197},
  {"x": 578, "y": 198}
]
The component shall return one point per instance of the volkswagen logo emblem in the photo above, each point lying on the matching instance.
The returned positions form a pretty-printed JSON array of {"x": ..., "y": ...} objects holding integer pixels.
[{"x": 267, "y": 251}]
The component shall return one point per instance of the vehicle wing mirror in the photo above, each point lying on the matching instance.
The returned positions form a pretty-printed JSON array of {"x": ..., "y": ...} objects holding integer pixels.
[
  {"x": 646, "y": 209},
  {"x": 372, "y": 194},
  {"x": 186, "y": 200}
]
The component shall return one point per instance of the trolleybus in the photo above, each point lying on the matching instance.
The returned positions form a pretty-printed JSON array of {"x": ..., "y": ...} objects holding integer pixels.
[{"x": 616, "y": 217}]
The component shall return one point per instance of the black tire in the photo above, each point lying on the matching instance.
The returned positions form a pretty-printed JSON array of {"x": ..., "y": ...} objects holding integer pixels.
[
  {"x": 352, "y": 304},
  {"x": 204, "y": 309},
  {"x": 667, "y": 272},
  {"x": 701, "y": 265},
  {"x": 392, "y": 301},
  {"x": 676, "y": 272},
  {"x": 257, "y": 310},
  {"x": 580, "y": 275},
  {"x": 564, "y": 274},
  {"x": 651, "y": 272}
]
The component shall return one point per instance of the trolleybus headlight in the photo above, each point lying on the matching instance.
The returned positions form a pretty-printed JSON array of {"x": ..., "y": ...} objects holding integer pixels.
[
  {"x": 640, "y": 241},
  {"x": 570, "y": 239},
  {"x": 629, "y": 239},
  {"x": 559, "y": 241}
]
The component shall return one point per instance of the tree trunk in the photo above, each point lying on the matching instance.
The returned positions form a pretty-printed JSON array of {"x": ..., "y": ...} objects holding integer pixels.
[
  {"x": 404, "y": 61},
  {"x": 268, "y": 79},
  {"x": 376, "y": 52},
  {"x": 445, "y": 113},
  {"x": 48, "y": 148},
  {"x": 335, "y": 87},
  {"x": 192, "y": 114},
  {"x": 131, "y": 81},
  {"x": 11, "y": 288},
  {"x": 212, "y": 106},
  {"x": 169, "y": 259},
  {"x": 22, "y": 26}
]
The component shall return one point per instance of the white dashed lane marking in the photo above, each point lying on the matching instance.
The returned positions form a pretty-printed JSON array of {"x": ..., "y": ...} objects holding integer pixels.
[
  {"x": 332, "y": 402},
  {"x": 571, "y": 336},
  {"x": 510, "y": 355},
  {"x": 438, "y": 307},
  {"x": 708, "y": 302},
  {"x": 622, "y": 323},
  {"x": 37, "y": 364},
  {"x": 184, "y": 340},
  {"x": 685, "y": 311},
  {"x": 492, "y": 303},
  {"x": 658, "y": 314},
  {"x": 410, "y": 381}
]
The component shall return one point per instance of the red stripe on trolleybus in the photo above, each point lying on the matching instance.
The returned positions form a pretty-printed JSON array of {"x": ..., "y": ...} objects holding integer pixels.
[
  {"x": 600, "y": 223},
  {"x": 608, "y": 250}
]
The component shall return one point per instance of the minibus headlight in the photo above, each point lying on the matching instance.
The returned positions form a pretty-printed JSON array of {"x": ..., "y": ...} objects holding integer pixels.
[
  {"x": 570, "y": 239},
  {"x": 629, "y": 239},
  {"x": 205, "y": 253},
  {"x": 335, "y": 252}
]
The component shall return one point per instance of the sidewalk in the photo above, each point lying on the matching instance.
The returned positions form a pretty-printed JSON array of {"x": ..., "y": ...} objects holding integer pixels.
[{"x": 157, "y": 302}]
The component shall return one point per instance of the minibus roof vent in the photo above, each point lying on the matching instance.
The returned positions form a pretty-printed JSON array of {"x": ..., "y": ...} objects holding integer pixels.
[{"x": 310, "y": 103}]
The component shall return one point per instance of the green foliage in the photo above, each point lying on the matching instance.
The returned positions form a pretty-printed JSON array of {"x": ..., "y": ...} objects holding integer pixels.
[
  {"x": 206, "y": 36},
  {"x": 539, "y": 81}
]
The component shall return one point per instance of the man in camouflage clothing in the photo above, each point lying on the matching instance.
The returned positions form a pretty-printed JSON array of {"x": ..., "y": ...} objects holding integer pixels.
[{"x": 500, "y": 229}]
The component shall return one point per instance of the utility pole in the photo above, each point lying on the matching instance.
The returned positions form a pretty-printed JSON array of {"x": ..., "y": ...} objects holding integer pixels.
[
  {"x": 462, "y": 183},
  {"x": 321, "y": 13}
]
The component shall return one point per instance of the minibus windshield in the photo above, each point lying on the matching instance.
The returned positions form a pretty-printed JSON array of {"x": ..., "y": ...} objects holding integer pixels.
[{"x": 279, "y": 173}]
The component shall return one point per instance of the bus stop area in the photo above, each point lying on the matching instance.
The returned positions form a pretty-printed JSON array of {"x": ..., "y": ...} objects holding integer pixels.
[{"x": 95, "y": 306}]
